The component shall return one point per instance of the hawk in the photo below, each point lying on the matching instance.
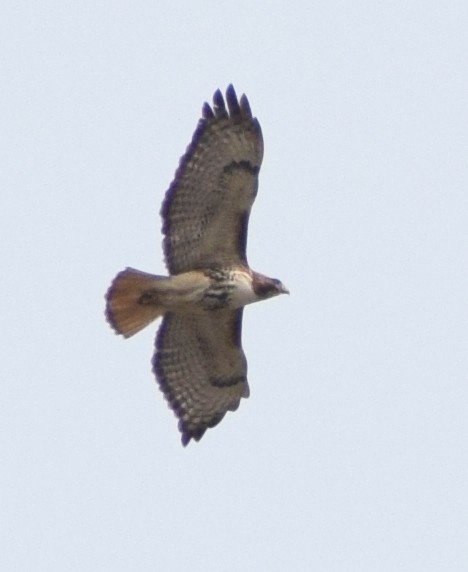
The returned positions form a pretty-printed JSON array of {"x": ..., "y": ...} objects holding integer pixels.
[{"x": 198, "y": 361}]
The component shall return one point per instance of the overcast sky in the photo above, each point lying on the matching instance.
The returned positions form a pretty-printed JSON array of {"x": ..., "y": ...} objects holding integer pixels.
[{"x": 352, "y": 452}]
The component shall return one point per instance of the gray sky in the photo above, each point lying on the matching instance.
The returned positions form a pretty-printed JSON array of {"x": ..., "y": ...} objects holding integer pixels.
[{"x": 351, "y": 453}]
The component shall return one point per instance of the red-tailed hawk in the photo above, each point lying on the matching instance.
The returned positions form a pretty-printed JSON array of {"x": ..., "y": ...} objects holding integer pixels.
[{"x": 199, "y": 362}]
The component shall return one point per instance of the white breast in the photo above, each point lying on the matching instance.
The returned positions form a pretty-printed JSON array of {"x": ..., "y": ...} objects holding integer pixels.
[{"x": 243, "y": 292}]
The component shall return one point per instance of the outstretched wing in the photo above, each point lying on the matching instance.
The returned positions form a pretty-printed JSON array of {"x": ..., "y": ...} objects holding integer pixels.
[
  {"x": 201, "y": 368},
  {"x": 206, "y": 209}
]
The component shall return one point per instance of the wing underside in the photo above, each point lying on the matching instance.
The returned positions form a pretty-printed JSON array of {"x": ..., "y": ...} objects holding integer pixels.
[
  {"x": 206, "y": 209},
  {"x": 201, "y": 368}
]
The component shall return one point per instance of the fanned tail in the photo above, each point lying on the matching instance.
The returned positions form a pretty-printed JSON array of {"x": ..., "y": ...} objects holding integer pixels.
[{"x": 132, "y": 301}]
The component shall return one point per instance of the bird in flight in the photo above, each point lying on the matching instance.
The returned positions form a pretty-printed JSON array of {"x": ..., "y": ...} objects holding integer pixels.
[{"x": 198, "y": 360}]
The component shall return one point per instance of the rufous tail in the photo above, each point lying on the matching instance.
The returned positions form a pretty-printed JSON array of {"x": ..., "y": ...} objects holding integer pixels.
[{"x": 132, "y": 301}]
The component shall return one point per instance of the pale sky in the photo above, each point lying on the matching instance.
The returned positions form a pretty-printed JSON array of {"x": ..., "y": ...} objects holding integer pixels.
[{"x": 351, "y": 455}]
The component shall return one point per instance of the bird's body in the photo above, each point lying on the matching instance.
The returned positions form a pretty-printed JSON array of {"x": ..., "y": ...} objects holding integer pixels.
[{"x": 199, "y": 362}]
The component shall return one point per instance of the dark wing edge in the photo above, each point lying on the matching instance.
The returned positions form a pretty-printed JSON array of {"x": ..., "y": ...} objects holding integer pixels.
[
  {"x": 230, "y": 109},
  {"x": 191, "y": 371}
]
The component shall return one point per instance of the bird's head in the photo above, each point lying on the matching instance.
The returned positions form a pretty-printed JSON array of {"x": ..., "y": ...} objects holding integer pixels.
[{"x": 266, "y": 287}]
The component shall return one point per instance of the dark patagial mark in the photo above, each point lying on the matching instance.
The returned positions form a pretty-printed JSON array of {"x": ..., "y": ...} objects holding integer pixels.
[
  {"x": 237, "y": 328},
  {"x": 242, "y": 230}
]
